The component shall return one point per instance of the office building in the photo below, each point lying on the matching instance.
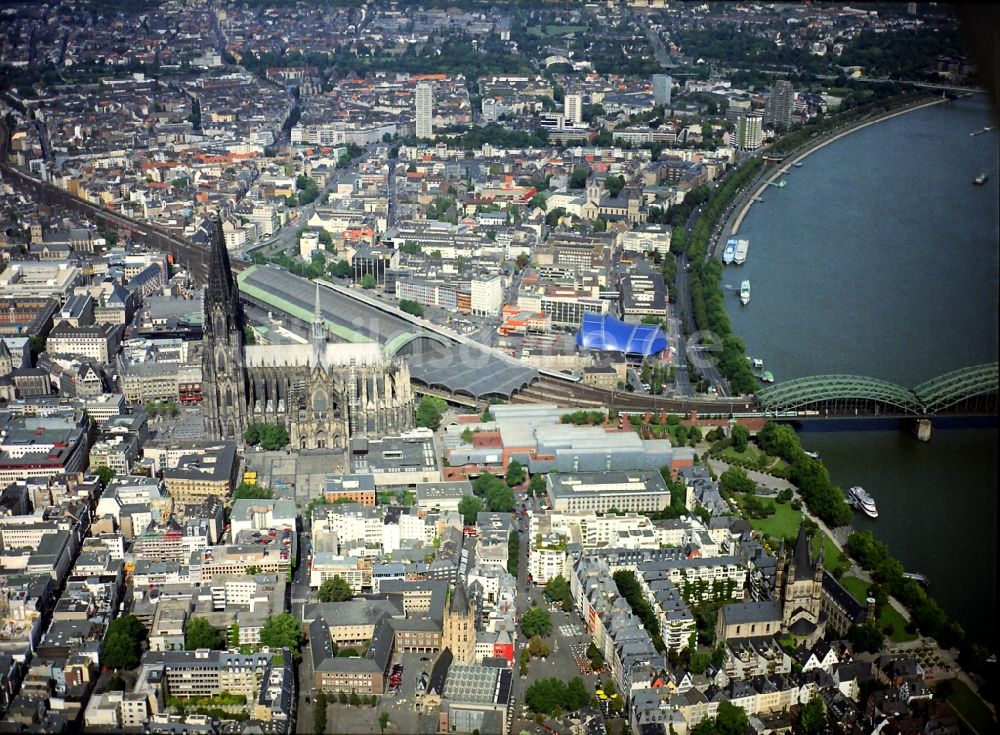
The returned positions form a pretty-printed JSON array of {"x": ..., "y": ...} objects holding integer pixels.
[
  {"x": 748, "y": 131},
  {"x": 601, "y": 491},
  {"x": 573, "y": 109},
  {"x": 424, "y": 97},
  {"x": 662, "y": 87},
  {"x": 779, "y": 107}
]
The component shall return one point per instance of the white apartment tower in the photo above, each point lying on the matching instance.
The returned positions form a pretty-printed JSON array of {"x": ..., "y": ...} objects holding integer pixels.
[
  {"x": 780, "y": 105},
  {"x": 662, "y": 87},
  {"x": 425, "y": 110},
  {"x": 749, "y": 135},
  {"x": 573, "y": 109}
]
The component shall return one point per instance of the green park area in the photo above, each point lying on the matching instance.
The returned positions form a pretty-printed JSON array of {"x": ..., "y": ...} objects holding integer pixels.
[
  {"x": 784, "y": 524},
  {"x": 888, "y": 615}
]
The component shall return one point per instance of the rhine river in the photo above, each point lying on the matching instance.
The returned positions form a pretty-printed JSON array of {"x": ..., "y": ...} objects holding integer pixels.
[{"x": 880, "y": 257}]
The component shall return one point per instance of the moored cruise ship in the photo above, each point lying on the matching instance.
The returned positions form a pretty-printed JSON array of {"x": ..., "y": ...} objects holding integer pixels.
[
  {"x": 863, "y": 501},
  {"x": 742, "y": 246}
]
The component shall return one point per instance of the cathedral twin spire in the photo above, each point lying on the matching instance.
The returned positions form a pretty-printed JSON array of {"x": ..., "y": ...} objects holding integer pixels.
[
  {"x": 318, "y": 332},
  {"x": 221, "y": 292}
]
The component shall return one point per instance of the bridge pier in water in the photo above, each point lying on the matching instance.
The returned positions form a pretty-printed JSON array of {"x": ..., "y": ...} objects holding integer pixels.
[{"x": 923, "y": 430}]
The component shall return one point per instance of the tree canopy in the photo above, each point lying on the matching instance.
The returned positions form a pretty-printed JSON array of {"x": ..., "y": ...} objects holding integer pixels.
[
  {"x": 740, "y": 437},
  {"x": 335, "y": 590},
  {"x": 537, "y": 484},
  {"x": 123, "y": 643},
  {"x": 282, "y": 631},
  {"x": 735, "y": 480},
  {"x": 411, "y": 307},
  {"x": 499, "y": 498},
  {"x": 614, "y": 185},
  {"x": 730, "y": 720},
  {"x": 552, "y": 696},
  {"x": 515, "y": 473},
  {"x": 536, "y": 621},
  {"x": 558, "y": 589},
  {"x": 813, "y": 718},
  {"x": 268, "y": 436},
  {"x": 244, "y": 491},
  {"x": 469, "y": 507},
  {"x": 430, "y": 410},
  {"x": 199, "y": 633},
  {"x": 104, "y": 474}
]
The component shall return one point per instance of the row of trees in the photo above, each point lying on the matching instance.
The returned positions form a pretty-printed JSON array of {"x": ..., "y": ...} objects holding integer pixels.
[
  {"x": 629, "y": 588},
  {"x": 162, "y": 408},
  {"x": 706, "y": 281},
  {"x": 317, "y": 267},
  {"x": 821, "y": 496},
  {"x": 855, "y": 106},
  {"x": 874, "y": 556},
  {"x": 513, "y": 553},
  {"x": 553, "y": 696},
  {"x": 581, "y": 418}
]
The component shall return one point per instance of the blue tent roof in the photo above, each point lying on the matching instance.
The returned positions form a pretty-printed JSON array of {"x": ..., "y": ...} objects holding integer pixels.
[{"x": 606, "y": 333}]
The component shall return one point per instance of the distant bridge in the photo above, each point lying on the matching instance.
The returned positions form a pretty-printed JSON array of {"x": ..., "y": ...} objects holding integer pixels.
[
  {"x": 943, "y": 86},
  {"x": 968, "y": 390}
]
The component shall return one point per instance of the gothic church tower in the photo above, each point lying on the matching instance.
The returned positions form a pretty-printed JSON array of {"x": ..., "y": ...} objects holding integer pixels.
[
  {"x": 223, "y": 360},
  {"x": 459, "y": 633}
]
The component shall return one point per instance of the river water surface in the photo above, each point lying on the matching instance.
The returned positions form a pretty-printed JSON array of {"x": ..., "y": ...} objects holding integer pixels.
[{"x": 880, "y": 257}]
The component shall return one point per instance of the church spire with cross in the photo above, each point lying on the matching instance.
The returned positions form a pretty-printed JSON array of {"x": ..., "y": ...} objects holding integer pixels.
[{"x": 318, "y": 330}]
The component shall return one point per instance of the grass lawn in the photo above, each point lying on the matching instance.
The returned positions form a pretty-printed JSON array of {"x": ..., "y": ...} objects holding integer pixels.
[
  {"x": 753, "y": 454},
  {"x": 785, "y": 524},
  {"x": 857, "y": 587},
  {"x": 973, "y": 713},
  {"x": 662, "y": 431},
  {"x": 750, "y": 454},
  {"x": 888, "y": 616}
]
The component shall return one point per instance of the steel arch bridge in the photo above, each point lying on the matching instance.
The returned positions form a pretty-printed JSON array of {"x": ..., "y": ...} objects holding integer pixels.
[
  {"x": 974, "y": 388},
  {"x": 840, "y": 394},
  {"x": 959, "y": 386}
]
